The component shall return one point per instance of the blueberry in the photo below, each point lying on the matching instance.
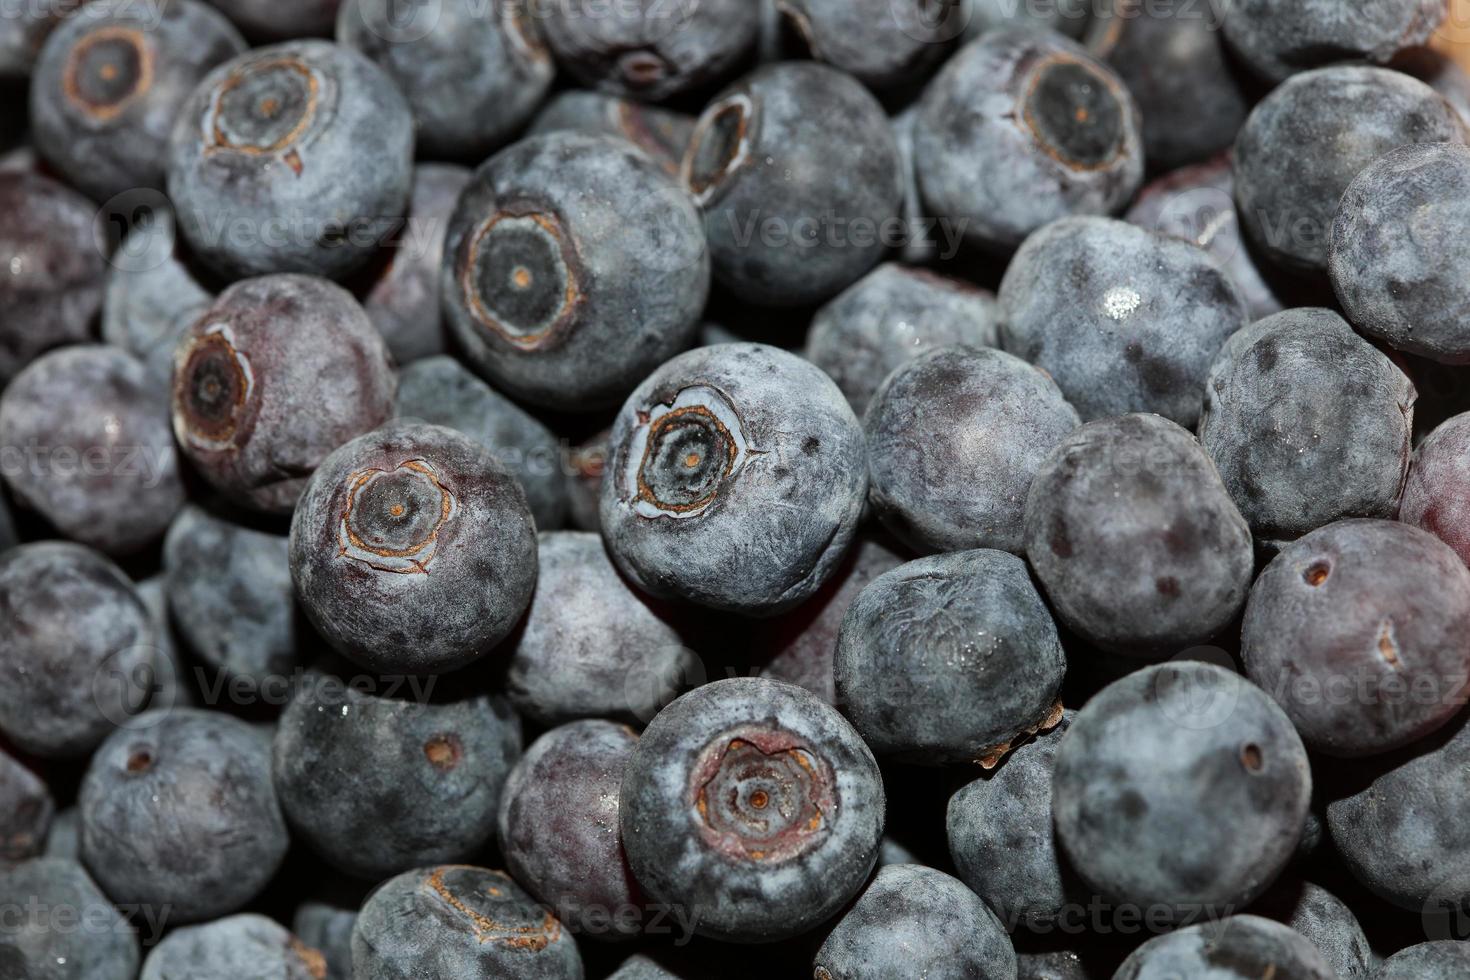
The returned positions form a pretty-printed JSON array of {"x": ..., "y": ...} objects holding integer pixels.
[
  {"x": 574, "y": 266},
  {"x": 327, "y": 928},
  {"x": 153, "y": 296},
  {"x": 440, "y": 391},
  {"x": 1324, "y": 920},
  {"x": 1021, "y": 128},
  {"x": 403, "y": 302},
  {"x": 500, "y": 67},
  {"x": 999, "y": 827},
  {"x": 1396, "y": 250},
  {"x": 1241, "y": 947},
  {"x": 98, "y": 459},
  {"x": 279, "y": 372},
  {"x": 592, "y": 646},
  {"x": 650, "y": 51},
  {"x": 268, "y": 20},
  {"x": 586, "y": 463},
  {"x": 1398, "y": 828},
  {"x": 1287, "y": 189},
  {"x": 161, "y": 799},
  {"x": 413, "y": 550},
  {"x": 1069, "y": 17},
  {"x": 1197, "y": 204},
  {"x": 640, "y": 967},
  {"x": 1182, "y": 788},
  {"x": 1277, "y": 40},
  {"x": 111, "y": 81},
  {"x": 949, "y": 659},
  {"x": 1444, "y": 959},
  {"x": 60, "y": 927},
  {"x": 801, "y": 183},
  {"x": 663, "y": 134},
  {"x": 1172, "y": 60},
  {"x": 291, "y": 158},
  {"x": 913, "y": 921},
  {"x": 1125, "y": 320},
  {"x": 1437, "y": 492},
  {"x": 883, "y": 45},
  {"x": 65, "y": 837},
  {"x": 1053, "y": 965},
  {"x": 802, "y": 642},
  {"x": 26, "y": 810},
  {"x": 55, "y": 272},
  {"x": 383, "y": 779},
  {"x": 232, "y": 948},
  {"x": 558, "y": 827},
  {"x": 954, "y": 439},
  {"x": 736, "y": 480},
  {"x": 753, "y": 808},
  {"x": 1376, "y": 608},
  {"x": 74, "y": 640},
  {"x": 1308, "y": 424},
  {"x": 170, "y": 682},
  {"x": 890, "y": 317},
  {"x": 1134, "y": 538},
  {"x": 462, "y": 922}
]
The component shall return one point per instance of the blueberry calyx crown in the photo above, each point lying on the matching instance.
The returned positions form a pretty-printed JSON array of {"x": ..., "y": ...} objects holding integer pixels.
[
  {"x": 683, "y": 453},
  {"x": 265, "y": 107},
  {"x": 492, "y": 909},
  {"x": 213, "y": 385},
  {"x": 107, "y": 70},
  {"x": 521, "y": 278},
  {"x": 1075, "y": 113},
  {"x": 392, "y": 518},
  {"x": 720, "y": 147}
]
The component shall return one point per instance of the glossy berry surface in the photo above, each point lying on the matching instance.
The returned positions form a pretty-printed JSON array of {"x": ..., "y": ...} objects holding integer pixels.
[{"x": 413, "y": 550}]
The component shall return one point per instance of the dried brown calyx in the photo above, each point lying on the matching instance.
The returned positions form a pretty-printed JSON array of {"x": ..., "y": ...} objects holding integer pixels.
[{"x": 392, "y": 518}]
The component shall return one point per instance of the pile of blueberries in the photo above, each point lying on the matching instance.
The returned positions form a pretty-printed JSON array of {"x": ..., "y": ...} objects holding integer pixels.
[{"x": 699, "y": 489}]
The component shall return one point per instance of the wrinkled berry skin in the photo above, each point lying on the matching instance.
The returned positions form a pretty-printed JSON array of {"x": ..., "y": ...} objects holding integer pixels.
[
  {"x": 1241, "y": 947},
  {"x": 1437, "y": 492},
  {"x": 954, "y": 439},
  {"x": 441, "y": 391},
  {"x": 913, "y": 921},
  {"x": 558, "y": 827},
  {"x": 735, "y": 481},
  {"x": 74, "y": 637},
  {"x": 61, "y": 926},
  {"x": 490, "y": 48},
  {"x": 26, "y": 811},
  {"x": 1000, "y": 835},
  {"x": 105, "y": 471},
  {"x": 159, "y": 797},
  {"x": 592, "y": 646},
  {"x": 799, "y": 176},
  {"x": 279, "y": 372},
  {"x": 661, "y": 133},
  {"x": 55, "y": 273},
  {"x": 111, "y": 81},
  {"x": 229, "y": 593},
  {"x": 1287, "y": 189},
  {"x": 1173, "y": 63},
  {"x": 881, "y": 44},
  {"x": 573, "y": 266},
  {"x": 1134, "y": 538},
  {"x": 1277, "y": 40},
  {"x": 997, "y": 141},
  {"x": 403, "y": 302},
  {"x": 1399, "y": 827},
  {"x": 413, "y": 550},
  {"x": 1197, "y": 204},
  {"x": 153, "y": 297},
  {"x": 383, "y": 779},
  {"x": 949, "y": 659},
  {"x": 649, "y": 50},
  {"x": 1375, "y": 607},
  {"x": 291, "y": 158},
  {"x": 1181, "y": 786},
  {"x": 1398, "y": 261},
  {"x": 232, "y": 948},
  {"x": 1125, "y": 320},
  {"x": 713, "y": 773},
  {"x": 269, "y": 20},
  {"x": 890, "y": 317},
  {"x": 463, "y": 922},
  {"x": 1445, "y": 959},
  {"x": 803, "y": 641},
  {"x": 1308, "y": 424},
  {"x": 1324, "y": 920}
]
